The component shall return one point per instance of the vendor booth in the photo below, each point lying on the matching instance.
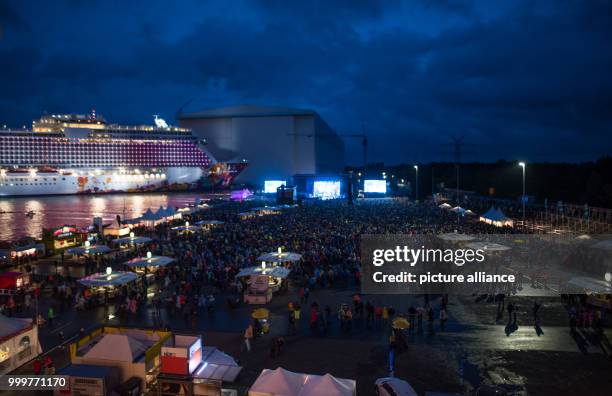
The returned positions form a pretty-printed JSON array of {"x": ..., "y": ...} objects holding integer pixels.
[
  {"x": 262, "y": 282},
  {"x": 18, "y": 343},
  {"x": 108, "y": 282},
  {"x": 89, "y": 250},
  {"x": 287, "y": 383},
  {"x": 497, "y": 218},
  {"x": 14, "y": 281},
  {"x": 57, "y": 239},
  {"x": 209, "y": 224},
  {"x": 190, "y": 368},
  {"x": 148, "y": 265},
  {"x": 280, "y": 257},
  {"x": 134, "y": 352},
  {"x": 131, "y": 240},
  {"x": 185, "y": 229}
]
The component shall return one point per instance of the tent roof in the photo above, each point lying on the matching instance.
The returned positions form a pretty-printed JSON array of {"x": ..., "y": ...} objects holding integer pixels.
[
  {"x": 278, "y": 382},
  {"x": 118, "y": 347},
  {"x": 10, "y": 326},
  {"x": 494, "y": 214},
  {"x": 328, "y": 385}
]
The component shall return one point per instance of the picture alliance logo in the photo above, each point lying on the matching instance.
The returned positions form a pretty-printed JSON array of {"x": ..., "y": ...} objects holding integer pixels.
[{"x": 410, "y": 256}]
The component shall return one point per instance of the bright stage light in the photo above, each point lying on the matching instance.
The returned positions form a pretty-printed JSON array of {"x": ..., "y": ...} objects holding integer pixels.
[
  {"x": 375, "y": 186},
  {"x": 326, "y": 189},
  {"x": 270, "y": 186}
]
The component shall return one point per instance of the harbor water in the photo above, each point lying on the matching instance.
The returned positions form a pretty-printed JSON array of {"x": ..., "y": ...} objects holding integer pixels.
[{"x": 79, "y": 210}]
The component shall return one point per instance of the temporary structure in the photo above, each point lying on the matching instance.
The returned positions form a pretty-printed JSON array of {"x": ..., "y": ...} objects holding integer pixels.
[
  {"x": 458, "y": 210},
  {"x": 18, "y": 343},
  {"x": 281, "y": 382},
  {"x": 497, "y": 218},
  {"x": 114, "y": 278},
  {"x": 444, "y": 206},
  {"x": 89, "y": 250},
  {"x": 327, "y": 385}
]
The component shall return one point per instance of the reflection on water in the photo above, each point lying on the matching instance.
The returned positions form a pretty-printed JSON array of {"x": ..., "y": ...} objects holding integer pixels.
[{"x": 78, "y": 210}]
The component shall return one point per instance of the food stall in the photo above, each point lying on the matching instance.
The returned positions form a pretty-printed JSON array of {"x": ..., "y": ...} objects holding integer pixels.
[
  {"x": 209, "y": 224},
  {"x": 131, "y": 241},
  {"x": 14, "y": 280},
  {"x": 148, "y": 265},
  {"x": 64, "y": 237},
  {"x": 108, "y": 282},
  {"x": 18, "y": 343},
  {"x": 279, "y": 257},
  {"x": 190, "y": 368},
  {"x": 185, "y": 229},
  {"x": 134, "y": 352},
  {"x": 262, "y": 282}
]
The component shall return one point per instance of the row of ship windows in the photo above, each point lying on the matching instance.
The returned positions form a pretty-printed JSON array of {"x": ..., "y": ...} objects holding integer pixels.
[
  {"x": 44, "y": 179},
  {"x": 27, "y": 184}
]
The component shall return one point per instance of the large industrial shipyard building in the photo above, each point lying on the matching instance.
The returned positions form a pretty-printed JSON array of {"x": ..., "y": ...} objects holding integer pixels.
[{"x": 278, "y": 143}]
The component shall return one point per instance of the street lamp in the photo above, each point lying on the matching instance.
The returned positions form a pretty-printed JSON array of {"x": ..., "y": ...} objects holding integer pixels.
[
  {"x": 416, "y": 183},
  {"x": 523, "y": 165}
]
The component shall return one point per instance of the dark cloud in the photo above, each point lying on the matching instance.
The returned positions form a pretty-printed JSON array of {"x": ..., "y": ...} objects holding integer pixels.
[{"x": 519, "y": 78}]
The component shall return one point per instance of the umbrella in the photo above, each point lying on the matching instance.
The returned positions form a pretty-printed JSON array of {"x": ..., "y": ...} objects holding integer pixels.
[
  {"x": 400, "y": 323},
  {"x": 260, "y": 313}
]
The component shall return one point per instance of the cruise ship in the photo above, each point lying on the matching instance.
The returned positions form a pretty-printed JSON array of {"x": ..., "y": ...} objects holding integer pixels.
[{"x": 83, "y": 154}]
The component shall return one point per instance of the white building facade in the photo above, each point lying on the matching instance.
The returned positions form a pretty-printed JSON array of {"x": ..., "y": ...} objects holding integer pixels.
[{"x": 277, "y": 142}]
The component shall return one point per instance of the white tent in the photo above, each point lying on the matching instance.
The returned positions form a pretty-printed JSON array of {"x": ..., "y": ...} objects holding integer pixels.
[
  {"x": 137, "y": 240},
  {"x": 277, "y": 272},
  {"x": 444, "y": 206},
  {"x": 281, "y": 257},
  {"x": 458, "y": 209},
  {"x": 281, "y": 382},
  {"x": 115, "y": 278},
  {"x": 497, "y": 218},
  {"x": 118, "y": 347},
  {"x": 153, "y": 261},
  {"x": 328, "y": 385}
]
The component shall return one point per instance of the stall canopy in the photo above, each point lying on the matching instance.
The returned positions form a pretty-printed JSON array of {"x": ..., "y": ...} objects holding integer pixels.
[
  {"x": 277, "y": 382},
  {"x": 328, "y": 385},
  {"x": 150, "y": 216},
  {"x": 444, "y": 206},
  {"x": 137, "y": 240},
  {"x": 277, "y": 272},
  {"x": 115, "y": 278},
  {"x": 217, "y": 365},
  {"x": 118, "y": 347},
  {"x": 281, "y": 382},
  {"x": 497, "y": 218},
  {"x": 83, "y": 250},
  {"x": 153, "y": 261},
  {"x": 283, "y": 257},
  {"x": 458, "y": 209}
]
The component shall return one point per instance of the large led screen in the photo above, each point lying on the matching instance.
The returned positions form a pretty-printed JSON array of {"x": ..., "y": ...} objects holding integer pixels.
[
  {"x": 326, "y": 189},
  {"x": 375, "y": 186},
  {"x": 270, "y": 186}
]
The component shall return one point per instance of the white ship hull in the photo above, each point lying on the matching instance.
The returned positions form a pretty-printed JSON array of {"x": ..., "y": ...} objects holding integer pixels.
[{"x": 94, "y": 181}]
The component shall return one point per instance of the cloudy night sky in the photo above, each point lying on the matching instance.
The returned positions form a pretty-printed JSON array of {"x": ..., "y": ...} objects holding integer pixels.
[{"x": 519, "y": 79}]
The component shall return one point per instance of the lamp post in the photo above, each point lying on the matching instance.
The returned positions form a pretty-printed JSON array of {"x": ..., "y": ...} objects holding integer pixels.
[
  {"x": 416, "y": 183},
  {"x": 523, "y": 165}
]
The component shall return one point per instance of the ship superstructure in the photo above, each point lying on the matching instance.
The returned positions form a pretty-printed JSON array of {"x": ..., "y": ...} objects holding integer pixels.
[{"x": 70, "y": 154}]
